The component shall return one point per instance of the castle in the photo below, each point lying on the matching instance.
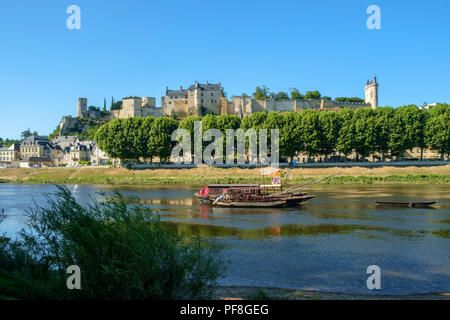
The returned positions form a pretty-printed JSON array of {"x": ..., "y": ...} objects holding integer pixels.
[
  {"x": 208, "y": 98},
  {"x": 198, "y": 99},
  {"x": 131, "y": 107},
  {"x": 201, "y": 99}
]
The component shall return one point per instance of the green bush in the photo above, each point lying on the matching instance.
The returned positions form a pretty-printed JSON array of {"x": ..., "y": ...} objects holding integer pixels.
[{"x": 122, "y": 249}]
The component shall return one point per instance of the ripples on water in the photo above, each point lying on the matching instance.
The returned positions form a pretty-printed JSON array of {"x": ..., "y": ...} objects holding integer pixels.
[{"x": 325, "y": 245}]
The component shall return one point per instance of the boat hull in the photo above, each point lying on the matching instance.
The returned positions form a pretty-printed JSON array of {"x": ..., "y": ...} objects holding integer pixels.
[
  {"x": 289, "y": 202},
  {"x": 248, "y": 204},
  {"x": 411, "y": 204}
]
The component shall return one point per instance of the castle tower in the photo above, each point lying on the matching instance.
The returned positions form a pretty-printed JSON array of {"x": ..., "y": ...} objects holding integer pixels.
[
  {"x": 82, "y": 107},
  {"x": 131, "y": 107},
  {"x": 148, "y": 102},
  {"x": 371, "y": 92}
]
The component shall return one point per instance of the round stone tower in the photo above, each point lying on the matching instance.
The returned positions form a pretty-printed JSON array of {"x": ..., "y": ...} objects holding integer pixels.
[
  {"x": 371, "y": 92},
  {"x": 82, "y": 107}
]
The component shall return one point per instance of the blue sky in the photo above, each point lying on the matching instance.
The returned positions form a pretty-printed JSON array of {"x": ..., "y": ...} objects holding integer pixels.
[{"x": 140, "y": 47}]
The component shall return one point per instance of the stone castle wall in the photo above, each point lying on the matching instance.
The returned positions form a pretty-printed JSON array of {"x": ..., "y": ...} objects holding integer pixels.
[{"x": 245, "y": 106}]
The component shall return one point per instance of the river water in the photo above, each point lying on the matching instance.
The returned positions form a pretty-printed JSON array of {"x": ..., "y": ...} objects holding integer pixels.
[{"x": 325, "y": 245}]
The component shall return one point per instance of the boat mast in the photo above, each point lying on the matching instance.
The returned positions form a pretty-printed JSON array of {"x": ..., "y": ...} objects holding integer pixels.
[{"x": 262, "y": 173}]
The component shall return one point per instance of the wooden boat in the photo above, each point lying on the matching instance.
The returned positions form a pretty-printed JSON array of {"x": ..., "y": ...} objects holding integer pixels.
[
  {"x": 250, "y": 196},
  {"x": 410, "y": 204},
  {"x": 263, "y": 202},
  {"x": 255, "y": 195},
  {"x": 212, "y": 191}
]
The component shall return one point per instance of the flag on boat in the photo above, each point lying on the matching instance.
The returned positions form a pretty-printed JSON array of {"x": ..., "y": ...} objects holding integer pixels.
[
  {"x": 270, "y": 171},
  {"x": 204, "y": 192},
  {"x": 277, "y": 173},
  {"x": 276, "y": 179}
]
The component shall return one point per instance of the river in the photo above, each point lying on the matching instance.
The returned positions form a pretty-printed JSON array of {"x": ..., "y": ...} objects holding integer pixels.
[{"x": 325, "y": 245}]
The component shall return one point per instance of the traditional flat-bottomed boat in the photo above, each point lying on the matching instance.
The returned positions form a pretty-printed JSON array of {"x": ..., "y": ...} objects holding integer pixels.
[
  {"x": 411, "y": 204},
  {"x": 250, "y": 196},
  {"x": 255, "y": 195}
]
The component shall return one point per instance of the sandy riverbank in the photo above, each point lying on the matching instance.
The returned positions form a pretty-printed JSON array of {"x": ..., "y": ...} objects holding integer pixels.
[
  {"x": 249, "y": 293},
  {"x": 205, "y": 175}
]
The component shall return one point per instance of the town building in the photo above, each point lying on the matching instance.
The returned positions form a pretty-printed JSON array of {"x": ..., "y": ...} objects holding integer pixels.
[
  {"x": 100, "y": 158},
  {"x": 9, "y": 155},
  {"x": 72, "y": 152},
  {"x": 37, "y": 147}
]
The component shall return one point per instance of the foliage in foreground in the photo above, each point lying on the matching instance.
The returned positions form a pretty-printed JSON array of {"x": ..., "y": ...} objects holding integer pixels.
[{"x": 123, "y": 251}]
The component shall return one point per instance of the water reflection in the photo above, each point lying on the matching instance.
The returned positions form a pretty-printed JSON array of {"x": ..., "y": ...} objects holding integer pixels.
[{"x": 327, "y": 244}]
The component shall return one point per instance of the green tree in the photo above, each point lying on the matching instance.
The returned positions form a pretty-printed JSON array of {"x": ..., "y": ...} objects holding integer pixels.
[
  {"x": 349, "y": 99},
  {"x": 407, "y": 130},
  {"x": 312, "y": 95},
  {"x": 101, "y": 137},
  {"x": 281, "y": 96},
  {"x": 26, "y": 133},
  {"x": 439, "y": 109},
  {"x": 346, "y": 140},
  {"x": 116, "y": 105},
  {"x": 273, "y": 121},
  {"x": 143, "y": 138},
  {"x": 115, "y": 138},
  {"x": 330, "y": 124},
  {"x": 91, "y": 131},
  {"x": 188, "y": 124},
  {"x": 437, "y": 133},
  {"x": 365, "y": 132},
  {"x": 296, "y": 95},
  {"x": 55, "y": 132},
  {"x": 161, "y": 137},
  {"x": 255, "y": 120},
  {"x": 124, "y": 251},
  {"x": 290, "y": 135},
  {"x": 261, "y": 93},
  {"x": 138, "y": 137},
  {"x": 384, "y": 118},
  {"x": 311, "y": 133}
]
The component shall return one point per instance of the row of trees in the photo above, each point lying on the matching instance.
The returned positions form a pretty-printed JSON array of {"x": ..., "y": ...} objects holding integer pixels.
[
  {"x": 263, "y": 93},
  {"x": 364, "y": 131},
  {"x": 8, "y": 142},
  {"x": 133, "y": 138}
]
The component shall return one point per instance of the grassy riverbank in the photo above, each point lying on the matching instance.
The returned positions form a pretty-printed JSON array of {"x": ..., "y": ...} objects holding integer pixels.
[{"x": 205, "y": 175}]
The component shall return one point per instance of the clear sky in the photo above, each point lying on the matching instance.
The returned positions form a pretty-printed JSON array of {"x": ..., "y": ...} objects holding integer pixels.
[{"x": 139, "y": 47}]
